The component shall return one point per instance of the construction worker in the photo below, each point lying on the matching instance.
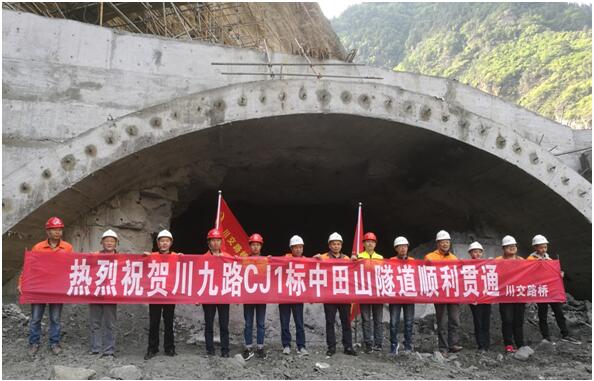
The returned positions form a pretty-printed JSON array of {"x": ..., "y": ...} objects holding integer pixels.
[
  {"x": 408, "y": 310},
  {"x": 102, "y": 317},
  {"x": 54, "y": 243},
  {"x": 512, "y": 314},
  {"x": 540, "y": 245},
  {"x": 481, "y": 313},
  {"x": 256, "y": 242},
  {"x": 371, "y": 310},
  {"x": 335, "y": 247},
  {"x": 214, "y": 238},
  {"x": 164, "y": 244},
  {"x": 296, "y": 245},
  {"x": 443, "y": 312}
]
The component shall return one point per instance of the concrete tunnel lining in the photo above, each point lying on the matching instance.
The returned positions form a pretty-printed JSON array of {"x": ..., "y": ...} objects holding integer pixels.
[{"x": 413, "y": 182}]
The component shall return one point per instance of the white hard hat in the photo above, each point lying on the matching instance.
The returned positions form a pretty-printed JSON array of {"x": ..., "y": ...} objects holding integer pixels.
[
  {"x": 335, "y": 237},
  {"x": 475, "y": 245},
  {"x": 400, "y": 241},
  {"x": 296, "y": 240},
  {"x": 539, "y": 239},
  {"x": 441, "y": 235},
  {"x": 110, "y": 233},
  {"x": 164, "y": 233},
  {"x": 508, "y": 240}
]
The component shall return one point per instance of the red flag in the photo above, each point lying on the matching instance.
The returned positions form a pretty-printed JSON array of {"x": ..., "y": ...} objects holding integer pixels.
[
  {"x": 357, "y": 248},
  {"x": 235, "y": 239}
]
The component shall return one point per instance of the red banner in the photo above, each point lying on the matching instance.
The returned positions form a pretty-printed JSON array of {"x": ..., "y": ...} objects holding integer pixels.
[
  {"x": 184, "y": 279},
  {"x": 235, "y": 239}
]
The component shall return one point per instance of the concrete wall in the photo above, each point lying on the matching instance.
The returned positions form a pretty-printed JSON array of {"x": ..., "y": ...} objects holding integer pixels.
[{"x": 62, "y": 78}]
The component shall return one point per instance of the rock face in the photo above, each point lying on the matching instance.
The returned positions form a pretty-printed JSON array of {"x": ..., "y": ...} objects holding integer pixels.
[
  {"x": 60, "y": 372},
  {"x": 126, "y": 372}
]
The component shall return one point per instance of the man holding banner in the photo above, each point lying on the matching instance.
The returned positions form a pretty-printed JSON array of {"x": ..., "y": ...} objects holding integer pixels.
[
  {"x": 371, "y": 311},
  {"x": 214, "y": 239},
  {"x": 335, "y": 246},
  {"x": 449, "y": 311}
]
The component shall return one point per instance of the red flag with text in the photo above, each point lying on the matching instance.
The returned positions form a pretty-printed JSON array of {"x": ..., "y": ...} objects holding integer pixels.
[{"x": 235, "y": 239}]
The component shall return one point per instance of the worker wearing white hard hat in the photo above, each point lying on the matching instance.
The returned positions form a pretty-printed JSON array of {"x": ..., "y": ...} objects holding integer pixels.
[
  {"x": 330, "y": 309},
  {"x": 285, "y": 310},
  {"x": 401, "y": 246},
  {"x": 512, "y": 314},
  {"x": 103, "y": 317},
  {"x": 481, "y": 313},
  {"x": 447, "y": 315},
  {"x": 540, "y": 244}
]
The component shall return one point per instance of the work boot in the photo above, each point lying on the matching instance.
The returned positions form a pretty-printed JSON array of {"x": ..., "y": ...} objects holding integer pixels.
[
  {"x": 108, "y": 355},
  {"x": 260, "y": 353},
  {"x": 286, "y": 350},
  {"x": 330, "y": 352},
  {"x": 456, "y": 348},
  {"x": 571, "y": 339},
  {"x": 225, "y": 355},
  {"x": 170, "y": 352},
  {"x": 350, "y": 352},
  {"x": 367, "y": 348},
  {"x": 302, "y": 352},
  {"x": 33, "y": 349},
  {"x": 210, "y": 352},
  {"x": 56, "y": 349},
  {"x": 247, "y": 354},
  {"x": 376, "y": 348},
  {"x": 150, "y": 354}
]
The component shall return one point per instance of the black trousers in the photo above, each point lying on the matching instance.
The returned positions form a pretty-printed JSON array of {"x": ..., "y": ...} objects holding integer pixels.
[
  {"x": 209, "y": 314},
  {"x": 345, "y": 323},
  {"x": 481, "y": 316},
  {"x": 512, "y": 323},
  {"x": 168, "y": 312},
  {"x": 543, "y": 310}
]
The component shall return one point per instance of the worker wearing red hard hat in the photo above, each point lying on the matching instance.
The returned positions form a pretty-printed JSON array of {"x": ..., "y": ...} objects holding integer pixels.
[
  {"x": 54, "y": 243},
  {"x": 214, "y": 239},
  {"x": 256, "y": 242},
  {"x": 369, "y": 311}
]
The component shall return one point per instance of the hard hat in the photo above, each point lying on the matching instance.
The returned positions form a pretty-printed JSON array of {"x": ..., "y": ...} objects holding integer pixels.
[
  {"x": 214, "y": 233},
  {"x": 335, "y": 237},
  {"x": 508, "y": 240},
  {"x": 539, "y": 240},
  {"x": 475, "y": 245},
  {"x": 164, "y": 233},
  {"x": 296, "y": 240},
  {"x": 109, "y": 233},
  {"x": 441, "y": 235},
  {"x": 256, "y": 238},
  {"x": 400, "y": 241},
  {"x": 54, "y": 223},
  {"x": 369, "y": 236}
]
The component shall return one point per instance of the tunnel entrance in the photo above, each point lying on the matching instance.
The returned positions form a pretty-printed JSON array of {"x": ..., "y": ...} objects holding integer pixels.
[{"x": 305, "y": 175}]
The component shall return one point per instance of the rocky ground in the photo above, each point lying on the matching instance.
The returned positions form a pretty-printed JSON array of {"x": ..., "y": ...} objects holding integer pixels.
[{"x": 559, "y": 361}]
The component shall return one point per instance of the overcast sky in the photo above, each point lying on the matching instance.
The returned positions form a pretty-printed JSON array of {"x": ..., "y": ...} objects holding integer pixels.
[{"x": 334, "y": 8}]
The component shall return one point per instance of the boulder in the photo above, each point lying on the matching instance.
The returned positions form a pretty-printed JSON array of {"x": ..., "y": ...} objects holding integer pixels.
[
  {"x": 126, "y": 372},
  {"x": 60, "y": 372}
]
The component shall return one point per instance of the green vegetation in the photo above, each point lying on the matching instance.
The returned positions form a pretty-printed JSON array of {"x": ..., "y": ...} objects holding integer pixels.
[{"x": 538, "y": 55}]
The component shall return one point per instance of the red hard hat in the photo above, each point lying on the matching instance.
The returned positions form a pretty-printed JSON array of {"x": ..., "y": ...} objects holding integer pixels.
[
  {"x": 54, "y": 223},
  {"x": 256, "y": 238},
  {"x": 214, "y": 233},
  {"x": 369, "y": 236}
]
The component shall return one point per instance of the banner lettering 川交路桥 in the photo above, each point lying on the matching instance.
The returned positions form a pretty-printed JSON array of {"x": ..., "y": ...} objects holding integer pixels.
[{"x": 179, "y": 279}]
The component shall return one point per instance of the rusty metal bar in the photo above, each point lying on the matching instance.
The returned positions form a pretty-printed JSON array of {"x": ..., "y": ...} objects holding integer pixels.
[{"x": 306, "y": 75}]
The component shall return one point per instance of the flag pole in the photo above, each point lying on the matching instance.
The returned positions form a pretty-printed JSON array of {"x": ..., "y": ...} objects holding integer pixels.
[
  {"x": 357, "y": 249},
  {"x": 217, "y": 221}
]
